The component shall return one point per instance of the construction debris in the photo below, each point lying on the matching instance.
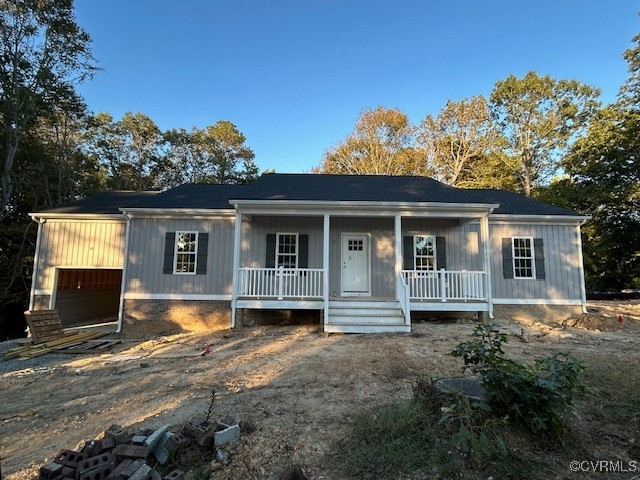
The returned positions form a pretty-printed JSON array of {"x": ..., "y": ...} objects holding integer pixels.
[
  {"x": 44, "y": 325},
  {"x": 124, "y": 455},
  {"x": 71, "y": 342}
]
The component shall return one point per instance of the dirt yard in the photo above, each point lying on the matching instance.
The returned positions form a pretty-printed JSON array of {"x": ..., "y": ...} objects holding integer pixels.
[{"x": 300, "y": 388}]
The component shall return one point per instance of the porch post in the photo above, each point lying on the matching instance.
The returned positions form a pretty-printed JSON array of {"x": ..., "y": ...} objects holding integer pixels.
[
  {"x": 237, "y": 233},
  {"x": 484, "y": 235},
  {"x": 325, "y": 267}
]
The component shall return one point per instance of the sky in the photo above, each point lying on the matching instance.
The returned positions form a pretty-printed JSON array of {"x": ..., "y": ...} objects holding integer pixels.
[{"x": 293, "y": 75}]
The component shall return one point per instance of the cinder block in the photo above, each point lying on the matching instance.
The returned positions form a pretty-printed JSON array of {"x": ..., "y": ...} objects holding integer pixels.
[
  {"x": 107, "y": 443},
  {"x": 176, "y": 474},
  {"x": 153, "y": 439},
  {"x": 132, "y": 467},
  {"x": 51, "y": 471},
  {"x": 176, "y": 442},
  {"x": 68, "y": 472},
  {"x": 152, "y": 475},
  {"x": 100, "y": 473},
  {"x": 119, "y": 434},
  {"x": 117, "y": 473},
  {"x": 193, "y": 429},
  {"x": 130, "y": 451},
  {"x": 138, "y": 439},
  {"x": 104, "y": 461},
  {"x": 141, "y": 473},
  {"x": 68, "y": 458},
  {"x": 228, "y": 435},
  {"x": 89, "y": 449}
]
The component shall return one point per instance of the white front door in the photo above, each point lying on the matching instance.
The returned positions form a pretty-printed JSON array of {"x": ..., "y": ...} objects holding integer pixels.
[{"x": 355, "y": 265}]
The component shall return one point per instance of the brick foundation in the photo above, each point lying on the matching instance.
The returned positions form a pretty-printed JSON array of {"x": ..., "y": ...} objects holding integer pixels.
[
  {"x": 41, "y": 302},
  {"x": 528, "y": 314},
  {"x": 143, "y": 318}
]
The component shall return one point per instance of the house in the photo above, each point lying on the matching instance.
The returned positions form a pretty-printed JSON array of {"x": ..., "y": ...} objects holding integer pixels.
[{"x": 365, "y": 252}]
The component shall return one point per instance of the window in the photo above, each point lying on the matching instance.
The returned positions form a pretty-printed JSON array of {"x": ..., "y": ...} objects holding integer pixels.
[
  {"x": 287, "y": 250},
  {"x": 356, "y": 245},
  {"x": 523, "y": 255},
  {"x": 186, "y": 252},
  {"x": 425, "y": 252}
]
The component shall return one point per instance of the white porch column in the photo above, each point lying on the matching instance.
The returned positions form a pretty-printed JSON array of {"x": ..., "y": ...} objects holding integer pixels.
[
  {"x": 36, "y": 260},
  {"x": 237, "y": 240},
  {"x": 398, "y": 248},
  {"x": 484, "y": 235},
  {"x": 583, "y": 289},
  {"x": 325, "y": 267},
  {"x": 123, "y": 281}
]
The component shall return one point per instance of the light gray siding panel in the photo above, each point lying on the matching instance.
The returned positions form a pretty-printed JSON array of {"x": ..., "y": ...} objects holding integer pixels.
[
  {"x": 146, "y": 254},
  {"x": 561, "y": 263},
  {"x": 98, "y": 244},
  {"x": 254, "y": 245}
]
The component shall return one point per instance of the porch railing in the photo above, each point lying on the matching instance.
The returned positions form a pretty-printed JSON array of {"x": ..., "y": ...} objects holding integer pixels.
[
  {"x": 281, "y": 283},
  {"x": 403, "y": 297},
  {"x": 445, "y": 285}
]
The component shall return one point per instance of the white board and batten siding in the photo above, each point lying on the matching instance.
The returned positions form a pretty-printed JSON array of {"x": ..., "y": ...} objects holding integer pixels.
[
  {"x": 79, "y": 244},
  {"x": 144, "y": 274},
  {"x": 562, "y": 281}
]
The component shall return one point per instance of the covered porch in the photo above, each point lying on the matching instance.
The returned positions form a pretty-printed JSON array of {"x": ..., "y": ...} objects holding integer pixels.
[{"x": 365, "y": 268}]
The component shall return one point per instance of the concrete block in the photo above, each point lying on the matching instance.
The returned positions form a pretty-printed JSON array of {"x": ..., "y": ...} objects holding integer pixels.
[
  {"x": 160, "y": 450},
  {"x": 132, "y": 467},
  {"x": 51, "y": 471},
  {"x": 101, "y": 461},
  {"x": 107, "y": 443},
  {"x": 130, "y": 451},
  {"x": 138, "y": 439},
  {"x": 68, "y": 458},
  {"x": 228, "y": 421},
  {"x": 153, "y": 439},
  {"x": 176, "y": 474},
  {"x": 176, "y": 442},
  {"x": 117, "y": 473},
  {"x": 100, "y": 473},
  {"x": 141, "y": 473},
  {"x": 119, "y": 434},
  {"x": 193, "y": 429},
  {"x": 68, "y": 472},
  {"x": 228, "y": 435}
]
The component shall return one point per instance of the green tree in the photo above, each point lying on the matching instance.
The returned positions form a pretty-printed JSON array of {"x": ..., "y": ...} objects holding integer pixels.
[
  {"x": 382, "y": 143},
  {"x": 463, "y": 146},
  {"x": 43, "y": 55},
  {"x": 540, "y": 116}
]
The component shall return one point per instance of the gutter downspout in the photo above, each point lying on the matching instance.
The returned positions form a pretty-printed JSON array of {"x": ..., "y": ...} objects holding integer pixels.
[
  {"x": 36, "y": 258},
  {"x": 486, "y": 240},
  {"x": 125, "y": 262},
  {"x": 583, "y": 288}
]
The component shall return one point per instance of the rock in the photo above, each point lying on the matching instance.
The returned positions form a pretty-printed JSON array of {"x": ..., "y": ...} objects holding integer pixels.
[{"x": 215, "y": 466}]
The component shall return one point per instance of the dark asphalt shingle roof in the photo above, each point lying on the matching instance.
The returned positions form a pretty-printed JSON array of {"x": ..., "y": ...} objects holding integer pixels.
[{"x": 310, "y": 187}]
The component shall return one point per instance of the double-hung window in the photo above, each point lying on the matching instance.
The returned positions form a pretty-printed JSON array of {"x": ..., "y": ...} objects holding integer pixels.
[
  {"x": 523, "y": 257},
  {"x": 287, "y": 250},
  {"x": 186, "y": 251},
  {"x": 425, "y": 252}
]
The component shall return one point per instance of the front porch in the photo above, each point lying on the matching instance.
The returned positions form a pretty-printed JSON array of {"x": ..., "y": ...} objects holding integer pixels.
[{"x": 365, "y": 268}]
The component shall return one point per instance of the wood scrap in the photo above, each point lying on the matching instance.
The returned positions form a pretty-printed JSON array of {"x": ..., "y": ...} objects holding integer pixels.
[{"x": 80, "y": 341}]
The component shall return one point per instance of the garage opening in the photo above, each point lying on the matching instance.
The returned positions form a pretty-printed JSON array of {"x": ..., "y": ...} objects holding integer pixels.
[{"x": 87, "y": 296}]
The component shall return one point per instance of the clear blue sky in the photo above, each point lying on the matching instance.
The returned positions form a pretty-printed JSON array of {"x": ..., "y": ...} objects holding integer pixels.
[{"x": 293, "y": 75}]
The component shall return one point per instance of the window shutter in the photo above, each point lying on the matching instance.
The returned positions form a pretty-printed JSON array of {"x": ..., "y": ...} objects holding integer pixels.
[
  {"x": 507, "y": 258},
  {"x": 169, "y": 250},
  {"x": 538, "y": 248},
  {"x": 201, "y": 260},
  {"x": 441, "y": 253},
  {"x": 407, "y": 254},
  {"x": 270, "y": 261},
  {"x": 303, "y": 251}
]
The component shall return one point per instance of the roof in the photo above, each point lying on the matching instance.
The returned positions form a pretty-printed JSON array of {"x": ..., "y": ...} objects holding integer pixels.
[{"x": 313, "y": 187}]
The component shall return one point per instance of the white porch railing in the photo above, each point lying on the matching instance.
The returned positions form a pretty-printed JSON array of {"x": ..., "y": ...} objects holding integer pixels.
[
  {"x": 445, "y": 285},
  {"x": 281, "y": 283},
  {"x": 403, "y": 297}
]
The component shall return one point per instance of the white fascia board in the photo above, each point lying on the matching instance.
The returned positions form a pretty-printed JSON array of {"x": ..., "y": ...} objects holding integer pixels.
[
  {"x": 178, "y": 212},
  {"x": 78, "y": 217},
  {"x": 536, "y": 301},
  {"x": 364, "y": 208},
  {"x": 539, "y": 219}
]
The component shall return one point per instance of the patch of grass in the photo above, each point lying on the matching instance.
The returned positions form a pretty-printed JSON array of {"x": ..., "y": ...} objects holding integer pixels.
[{"x": 393, "y": 440}]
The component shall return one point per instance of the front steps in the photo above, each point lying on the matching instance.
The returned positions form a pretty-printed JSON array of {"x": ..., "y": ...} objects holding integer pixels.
[{"x": 365, "y": 317}]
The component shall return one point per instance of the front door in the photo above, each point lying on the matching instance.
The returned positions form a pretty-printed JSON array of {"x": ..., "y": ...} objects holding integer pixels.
[{"x": 355, "y": 265}]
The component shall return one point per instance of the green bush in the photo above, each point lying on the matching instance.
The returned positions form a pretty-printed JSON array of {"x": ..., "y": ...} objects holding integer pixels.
[{"x": 536, "y": 396}]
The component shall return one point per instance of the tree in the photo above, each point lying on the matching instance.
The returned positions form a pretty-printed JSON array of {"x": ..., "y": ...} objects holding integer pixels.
[
  {"x": 382, "y": 143},
  {"x": 43, "y": 54},
  {"x": 540, "y": 116},
  {"x": 461, "y": 142}
]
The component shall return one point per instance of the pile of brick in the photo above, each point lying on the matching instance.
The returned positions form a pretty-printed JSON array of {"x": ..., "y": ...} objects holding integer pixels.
[{"x": 121, "y": 455}]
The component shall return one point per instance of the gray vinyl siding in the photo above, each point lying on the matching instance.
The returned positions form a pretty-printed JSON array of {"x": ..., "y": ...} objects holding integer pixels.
[
  {"x": 88, "y": 244},
  {"x": 462, "y": 241},
  {"x": 146, "y": 257},
  {"x": 562, "y": 267},
  {"x": 254, "y": 234}
]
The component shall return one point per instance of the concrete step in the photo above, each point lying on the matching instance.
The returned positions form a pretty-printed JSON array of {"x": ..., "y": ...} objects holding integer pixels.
[
  {"x": 391, "y": 319},
  {"x": 381, "y": 312},
  {"x": 366, "y": 328}
]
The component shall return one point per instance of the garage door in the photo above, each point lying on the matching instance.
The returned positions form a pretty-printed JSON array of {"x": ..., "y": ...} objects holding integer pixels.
[{"x": 87, "y": 296}]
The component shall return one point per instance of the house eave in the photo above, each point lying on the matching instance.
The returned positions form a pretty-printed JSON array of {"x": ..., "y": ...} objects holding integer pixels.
[
  {"x": 77, "y": 216},
  {"x": 539, "y": 219},
  {"x": 177, "y": 212},
  {"x": 368, "y": 208}
]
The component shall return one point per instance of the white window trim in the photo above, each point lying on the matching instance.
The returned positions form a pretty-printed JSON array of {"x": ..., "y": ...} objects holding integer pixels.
[
  {"x": 175, "y": 254},
  {"x": 415, "y": 255},
  {"x": 513, "y": 258},
  {"x": 278, "y": 235}
]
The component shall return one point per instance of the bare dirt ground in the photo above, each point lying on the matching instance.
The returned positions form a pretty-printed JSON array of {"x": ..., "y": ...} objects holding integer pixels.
[{"x": 300, "y": 388}]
